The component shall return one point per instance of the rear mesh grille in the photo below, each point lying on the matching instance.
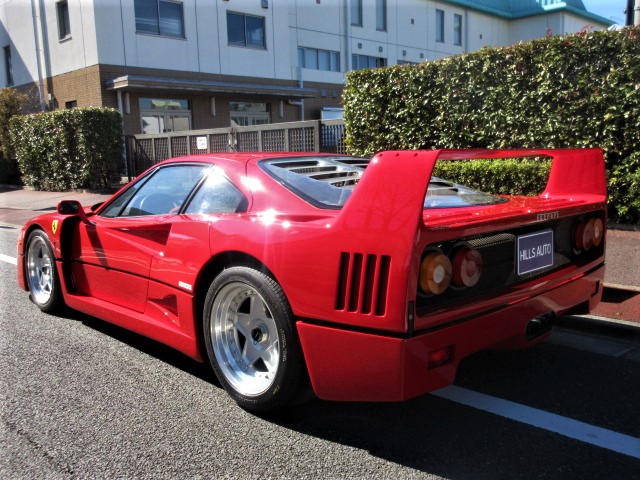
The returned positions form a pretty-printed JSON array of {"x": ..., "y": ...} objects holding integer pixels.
[{"x": 363, "y": 281}]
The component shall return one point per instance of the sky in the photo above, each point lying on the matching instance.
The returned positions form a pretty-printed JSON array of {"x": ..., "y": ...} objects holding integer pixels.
[{"x": 609, "y": 9}]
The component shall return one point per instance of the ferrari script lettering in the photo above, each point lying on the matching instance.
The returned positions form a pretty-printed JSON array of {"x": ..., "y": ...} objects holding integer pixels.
[
  {"x": 547, "y": 216},
  {"x": 539, "y": 251}
]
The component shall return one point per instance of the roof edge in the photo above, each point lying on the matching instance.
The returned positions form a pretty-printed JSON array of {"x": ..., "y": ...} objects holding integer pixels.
[{"x": 531, "y": 13}]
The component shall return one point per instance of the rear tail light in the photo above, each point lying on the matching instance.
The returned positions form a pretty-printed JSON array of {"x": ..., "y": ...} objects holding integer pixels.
[
  {"x": 435, "y": 273},
  {"x": 467, "y": 267},
  {"x": 598, "y": 231},
  {"x": 588, "y": 233}
]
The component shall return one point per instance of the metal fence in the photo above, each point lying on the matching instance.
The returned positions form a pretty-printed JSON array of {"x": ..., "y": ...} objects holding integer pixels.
[{"x": 309, "y": 136}]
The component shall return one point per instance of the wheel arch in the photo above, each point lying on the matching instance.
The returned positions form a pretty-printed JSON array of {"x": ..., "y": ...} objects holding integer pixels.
[
  {"x": 217, "y": 264},
  {"x": 22, "y": 251}
]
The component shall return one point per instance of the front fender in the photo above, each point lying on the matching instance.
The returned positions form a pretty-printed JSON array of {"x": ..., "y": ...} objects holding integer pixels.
[{"x": 53, "y": 225}]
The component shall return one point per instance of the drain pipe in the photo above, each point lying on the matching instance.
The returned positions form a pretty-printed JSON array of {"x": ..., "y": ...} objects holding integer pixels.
[
  {"x": 36, "y": 37},
  {"x": 302, "y": 99}
]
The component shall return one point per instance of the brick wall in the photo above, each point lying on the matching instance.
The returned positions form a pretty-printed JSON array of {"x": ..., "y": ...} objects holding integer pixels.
[{"x": 87, "y": 87}]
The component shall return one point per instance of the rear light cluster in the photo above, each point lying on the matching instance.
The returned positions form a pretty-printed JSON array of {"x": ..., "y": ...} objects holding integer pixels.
[
  {"x": 588, "y": 233},
  {"x": 457, "y": 271},
  {"x": 438, "y": 271}
]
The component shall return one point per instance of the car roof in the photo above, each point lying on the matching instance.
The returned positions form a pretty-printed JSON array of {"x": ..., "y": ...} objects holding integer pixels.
[{"x": 243, "y": 158}]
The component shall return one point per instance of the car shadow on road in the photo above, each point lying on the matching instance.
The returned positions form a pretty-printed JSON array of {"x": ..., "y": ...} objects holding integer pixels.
[
  {"x": 433, "y": 436},
  {"x": 146, "y": 345}
]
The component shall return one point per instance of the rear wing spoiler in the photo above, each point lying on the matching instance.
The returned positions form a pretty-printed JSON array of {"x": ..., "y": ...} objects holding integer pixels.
[{"x": 390, "y": 196}]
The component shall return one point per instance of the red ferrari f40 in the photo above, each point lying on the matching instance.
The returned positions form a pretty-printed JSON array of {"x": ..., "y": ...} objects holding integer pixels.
[{"x": 366, "y": 279}]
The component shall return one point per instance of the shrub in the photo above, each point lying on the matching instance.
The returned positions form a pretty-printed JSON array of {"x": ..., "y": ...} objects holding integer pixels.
[
  {"x": 505, "y": 176},
  {"x": 574, "y": 91},
  {"x": 12, "y": 103},
  {"x": 78, "y": 148}
]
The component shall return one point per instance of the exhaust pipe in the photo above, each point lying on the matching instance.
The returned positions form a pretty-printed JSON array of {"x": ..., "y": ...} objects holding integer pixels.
[{"x": 540, "y": 325}]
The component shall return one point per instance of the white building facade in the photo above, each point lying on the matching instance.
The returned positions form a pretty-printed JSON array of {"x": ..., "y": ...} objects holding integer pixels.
[{"x": 194, "y": 64}]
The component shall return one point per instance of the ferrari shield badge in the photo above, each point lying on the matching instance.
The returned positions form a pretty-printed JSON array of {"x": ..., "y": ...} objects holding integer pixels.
[{"x": 54, "y": 226}]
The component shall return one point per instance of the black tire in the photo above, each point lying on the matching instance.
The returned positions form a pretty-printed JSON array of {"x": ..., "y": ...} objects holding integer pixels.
[
  {"x": 42, "y": 275},
  {"x": 251, "y": 340}
]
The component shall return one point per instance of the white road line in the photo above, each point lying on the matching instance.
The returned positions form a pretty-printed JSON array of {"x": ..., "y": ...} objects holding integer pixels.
[
  {"x": 8, "y": 259},
  {"x": 567, "y": 427}
]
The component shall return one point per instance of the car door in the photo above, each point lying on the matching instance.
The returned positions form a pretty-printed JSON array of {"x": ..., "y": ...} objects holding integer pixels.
[{"x": 113, "y": 252}]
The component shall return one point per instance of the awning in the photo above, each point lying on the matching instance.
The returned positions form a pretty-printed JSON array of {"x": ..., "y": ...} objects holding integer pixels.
[{"x": 138, "y": 83}]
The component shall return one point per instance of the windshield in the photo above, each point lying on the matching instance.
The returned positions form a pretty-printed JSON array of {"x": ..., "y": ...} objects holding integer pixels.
[{"x": 327, "y": 182}]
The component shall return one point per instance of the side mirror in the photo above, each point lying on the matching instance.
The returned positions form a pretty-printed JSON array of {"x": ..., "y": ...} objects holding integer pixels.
[{"x": 72, "y": 207}]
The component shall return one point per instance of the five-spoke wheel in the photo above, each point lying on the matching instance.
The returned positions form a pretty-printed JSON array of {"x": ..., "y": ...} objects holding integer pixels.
[
  {"x": 42, "y": 276},
  {"x": 251, "y": 341}
]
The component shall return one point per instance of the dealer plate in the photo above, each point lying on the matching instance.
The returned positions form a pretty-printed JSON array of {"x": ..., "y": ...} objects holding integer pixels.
[{"x": 534, "y": 251}]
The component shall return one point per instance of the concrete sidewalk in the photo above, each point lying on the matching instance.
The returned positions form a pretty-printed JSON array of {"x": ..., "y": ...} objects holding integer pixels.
[{"x": 621, "y": 298}]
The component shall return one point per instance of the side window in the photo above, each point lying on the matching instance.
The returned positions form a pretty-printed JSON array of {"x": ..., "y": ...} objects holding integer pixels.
[
  {"x": 163, "y": 193},
  {"x": 64, "y": 26},
  {"x": 217, "y": 195}
]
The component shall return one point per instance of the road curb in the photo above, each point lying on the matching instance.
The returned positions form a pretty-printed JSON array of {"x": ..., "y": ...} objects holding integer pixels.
[{"x": 601, "y": 325}]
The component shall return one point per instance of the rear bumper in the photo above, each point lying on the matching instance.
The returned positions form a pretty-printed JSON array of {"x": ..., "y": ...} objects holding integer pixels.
[{"x": 348, "y": 365}]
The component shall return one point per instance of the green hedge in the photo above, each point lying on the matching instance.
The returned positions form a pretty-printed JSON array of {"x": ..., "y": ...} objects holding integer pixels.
[
  {"x": 64, "y": 149},
  {"x": 12, "y": 103},
  {"x": 509, "y": 176},
  {"x": 580, "y": 90}
]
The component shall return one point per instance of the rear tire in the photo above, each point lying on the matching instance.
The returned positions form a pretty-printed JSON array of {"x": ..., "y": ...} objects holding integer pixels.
[
  {"x": 251, "y": 340},
  {"x": 42, "y": 276}
]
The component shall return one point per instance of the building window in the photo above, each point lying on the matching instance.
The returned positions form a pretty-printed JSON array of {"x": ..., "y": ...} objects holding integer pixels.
[
  {"x": 71, "y": 104},
  {"x": 457, "y": 29},
  {"x": 245, "y": 30},
  {"x": 7, "y": 65},
  {"x": 247, "y": 113},
  {"x": 356, "y": 13},
  {"x": 64, "y": 27},
  {"x": 439, "y": 25},
  {"x": 381, "y": 15},
  {"x": 159, "y": 17},
  {"x": 317, "y": 59},
  {"x": 159, "y": 115},
  {"x": 365, "y": 61},
  {"x": 407, "y": 62}
]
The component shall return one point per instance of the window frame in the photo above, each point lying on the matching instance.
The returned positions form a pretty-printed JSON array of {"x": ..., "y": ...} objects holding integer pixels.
[
  {"x": 334, "y": 59},
  {"x": 372, "y": 62},
  {"x": 64, "y": 23},
  {"x": 381, "y": 15},
  {"x": 440, "y": 38},
  {"x": 246, "y": 43},
  {"x": 356, "y": 13},
  {"x": 8, "y": 65},
  {"x": 457, "y": 29},
  {"x": 201, "y": 187},
  {"x": 158, "y": 19},
  {"x": 137, "y": 189}
]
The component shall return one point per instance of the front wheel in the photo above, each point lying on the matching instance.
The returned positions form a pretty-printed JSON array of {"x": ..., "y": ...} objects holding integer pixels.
[
  {"x": 251, "y": 341},
  {"x": 42, "y": 276}
]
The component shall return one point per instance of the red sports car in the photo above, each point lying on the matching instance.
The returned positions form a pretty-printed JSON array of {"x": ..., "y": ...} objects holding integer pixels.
[{"x": 367, "y": 279}]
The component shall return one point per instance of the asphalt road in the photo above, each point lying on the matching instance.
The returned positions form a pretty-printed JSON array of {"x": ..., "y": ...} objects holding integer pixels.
[{"x": 83, "y": 399}]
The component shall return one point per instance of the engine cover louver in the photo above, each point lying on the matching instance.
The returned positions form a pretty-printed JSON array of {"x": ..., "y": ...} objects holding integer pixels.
[{"x": 363, "y": 281}]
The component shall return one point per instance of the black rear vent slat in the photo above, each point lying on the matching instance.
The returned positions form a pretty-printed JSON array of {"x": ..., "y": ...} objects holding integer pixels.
[
  {"x": 363, "y": 283},
  {"x": 356, "y": 276},
  {"x": 342, "y": 281},
  {"x": 369, "y": 277},
  {"x": 383, "y": 284}
]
